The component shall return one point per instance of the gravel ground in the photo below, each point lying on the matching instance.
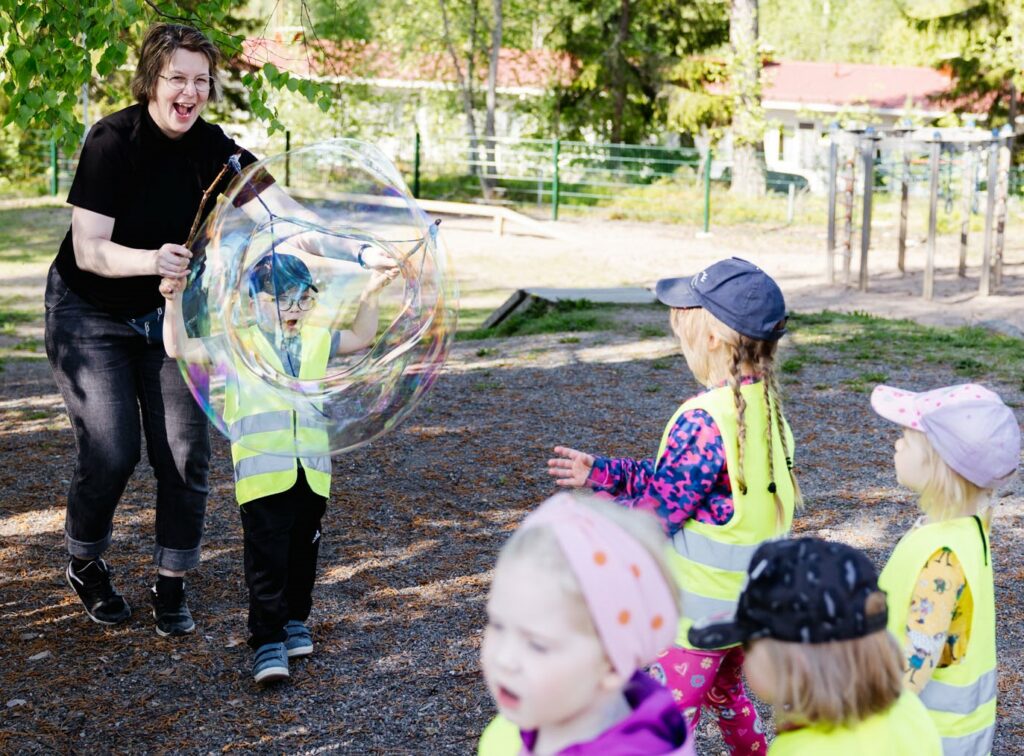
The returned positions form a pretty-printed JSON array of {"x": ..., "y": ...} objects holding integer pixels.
[{"x": 411, "y": 533}]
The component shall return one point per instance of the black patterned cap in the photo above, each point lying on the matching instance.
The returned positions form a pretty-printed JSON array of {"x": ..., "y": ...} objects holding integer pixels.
[{"x": 801, "y": 590}]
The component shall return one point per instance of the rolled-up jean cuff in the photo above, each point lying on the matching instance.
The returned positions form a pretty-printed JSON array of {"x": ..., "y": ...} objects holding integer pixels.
[
  {"x": 84, "y": 549},
  {"x": 176, "y": 559}
]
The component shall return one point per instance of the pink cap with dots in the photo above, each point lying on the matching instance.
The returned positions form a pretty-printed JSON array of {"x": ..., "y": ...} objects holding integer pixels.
[{"x": 968, "y": 425}]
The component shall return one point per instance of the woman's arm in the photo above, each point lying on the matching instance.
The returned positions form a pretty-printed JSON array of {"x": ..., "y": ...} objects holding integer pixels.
[
  {"x": 96, "y": 253},
  {"x": 280, "y": 203},
  {"x": 364, "y": 327}
]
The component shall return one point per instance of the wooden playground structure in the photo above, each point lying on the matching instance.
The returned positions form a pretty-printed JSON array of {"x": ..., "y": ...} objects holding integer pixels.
[{"x": 969, "y": 151}]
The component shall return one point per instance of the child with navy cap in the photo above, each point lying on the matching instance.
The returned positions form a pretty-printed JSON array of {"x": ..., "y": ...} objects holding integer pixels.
[
  {"x": 722, "y": 480},
  {"x": 813, "y": 621},
  {"x": 959, "y": 443},
  {"x": 282, "y": 499}
]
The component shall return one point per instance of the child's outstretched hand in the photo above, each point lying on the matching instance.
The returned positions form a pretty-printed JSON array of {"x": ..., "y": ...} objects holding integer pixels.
[
  {"x": 379, "y": 279},
  {"x": 570, "y": 468}
]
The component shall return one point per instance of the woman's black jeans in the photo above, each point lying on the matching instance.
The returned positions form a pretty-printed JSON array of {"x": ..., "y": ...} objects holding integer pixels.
[{"x": 107, "y": 372}]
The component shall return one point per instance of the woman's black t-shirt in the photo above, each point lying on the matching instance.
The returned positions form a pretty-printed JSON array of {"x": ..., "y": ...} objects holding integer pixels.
[{"x": 151, "y": 186}]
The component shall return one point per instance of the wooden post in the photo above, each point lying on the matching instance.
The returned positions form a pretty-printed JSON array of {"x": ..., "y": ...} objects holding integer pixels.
[
  {"x": 967, "y": 190},
  {"x": 904, "y": 207},
  {"x": 848, "y": 191},
  {"x": 990, "y": 214},
  {"x": 1002, "y": 190},
  {"x": 933, "y": 211},
  {"x": 867, "y": 148},
  {"x": 833, "y": 171}
]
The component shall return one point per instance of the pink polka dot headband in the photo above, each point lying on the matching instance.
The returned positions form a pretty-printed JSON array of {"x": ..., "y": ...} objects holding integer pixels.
[{"x": 630, "y": 602}]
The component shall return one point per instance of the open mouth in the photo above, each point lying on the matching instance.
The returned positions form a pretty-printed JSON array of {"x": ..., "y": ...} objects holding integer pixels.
[
  {"x": 506, "y": 698},
  {"x": 183, "y": 110}
]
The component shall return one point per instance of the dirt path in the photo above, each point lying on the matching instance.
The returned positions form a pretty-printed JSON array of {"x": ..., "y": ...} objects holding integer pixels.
[{"x": 411, "y": 533}]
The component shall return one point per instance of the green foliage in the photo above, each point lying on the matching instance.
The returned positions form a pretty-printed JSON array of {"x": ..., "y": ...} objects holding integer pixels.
[
  {"x": 623, "y": 50},
  {"x": 692, "y": 109},
  {"x": 49, "y": 52}
]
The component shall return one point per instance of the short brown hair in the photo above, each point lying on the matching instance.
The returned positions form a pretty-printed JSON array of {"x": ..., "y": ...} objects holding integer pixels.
[
  {"x": 839, "y": 682},
  {"x": 161, "y": 41}
]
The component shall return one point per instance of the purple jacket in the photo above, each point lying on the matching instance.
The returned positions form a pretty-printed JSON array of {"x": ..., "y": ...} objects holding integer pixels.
[{"x": 656, "y": 726}]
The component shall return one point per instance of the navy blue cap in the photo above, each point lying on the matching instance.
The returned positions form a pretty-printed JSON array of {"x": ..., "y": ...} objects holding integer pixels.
[{"x": 736, "y": 292}]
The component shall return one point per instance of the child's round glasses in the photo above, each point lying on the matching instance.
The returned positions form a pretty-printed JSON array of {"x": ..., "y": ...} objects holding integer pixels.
[
  {"x": 304, "y": 302},
  {"x": 178, "y": 83}
]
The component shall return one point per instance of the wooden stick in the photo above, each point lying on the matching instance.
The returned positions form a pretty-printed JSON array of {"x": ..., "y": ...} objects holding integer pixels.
[{"x": 202, "y": 204}]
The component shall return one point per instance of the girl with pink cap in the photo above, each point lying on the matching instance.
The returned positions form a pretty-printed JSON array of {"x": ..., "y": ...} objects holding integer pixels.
[
  {"x": 959, "y": 444},
  {"x": 582, "y": 598}
]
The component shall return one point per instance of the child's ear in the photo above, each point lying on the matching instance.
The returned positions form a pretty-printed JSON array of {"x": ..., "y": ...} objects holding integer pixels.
[{"x": 714, "y": 341}]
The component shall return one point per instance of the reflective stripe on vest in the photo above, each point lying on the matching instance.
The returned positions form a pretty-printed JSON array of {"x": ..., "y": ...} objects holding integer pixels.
[
  {"x": 960, "y": 699},
  {"x": 264, "y": 422},
  {"x": 320, "y": 464},
  {"x": 974, "y": 744},
  {"x": 701, "y": 606},
  {"x": 724, "y": 556},
  {"x": 710, "y": 561},
  {"x": 261, "y": 464}
]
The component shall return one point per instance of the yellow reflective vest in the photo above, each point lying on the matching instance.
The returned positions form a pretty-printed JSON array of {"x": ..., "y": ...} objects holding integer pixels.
[
  {"x": 904, "y": 729},
  {"x": 961, "y": 698},
  {"x": 710, "y": 561},
  {"x": 269, "y": 439}
]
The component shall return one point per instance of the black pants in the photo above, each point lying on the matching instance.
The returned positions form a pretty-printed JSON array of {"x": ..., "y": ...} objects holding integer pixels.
[
  {"x": 282, "y": 541},
  {"x": 107, "y": 372}
]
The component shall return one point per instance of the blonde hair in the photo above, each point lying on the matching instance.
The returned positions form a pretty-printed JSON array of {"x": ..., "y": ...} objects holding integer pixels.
[
  {"x": 947, "y": 494},
  {"x": 540, "y": 546},
  {"x": 693, "y": 326},
  {"x": 838, "y": 682}
]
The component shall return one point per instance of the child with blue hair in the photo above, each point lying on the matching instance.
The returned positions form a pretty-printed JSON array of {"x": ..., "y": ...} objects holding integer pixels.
[{"x": 282, "y": 499}]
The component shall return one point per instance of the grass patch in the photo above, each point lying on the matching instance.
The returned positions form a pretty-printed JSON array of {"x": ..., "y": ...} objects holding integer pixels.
[
  {"x": 793, "y": 365},
  {"x": 968, "y": 351},
  {"x": 548, "y": 317},
  {"x": 651, "y": 332},
  {"x": 486, "y": 352},
  {"x": 32, "y": 235}
]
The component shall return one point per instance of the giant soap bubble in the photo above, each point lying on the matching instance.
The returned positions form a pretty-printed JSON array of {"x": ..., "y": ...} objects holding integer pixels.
[{"x": 284, "y": 354}]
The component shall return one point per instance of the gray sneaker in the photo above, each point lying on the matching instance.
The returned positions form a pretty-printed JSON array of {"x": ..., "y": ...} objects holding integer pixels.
[
  {"x": 270, "y": 663},
  {"x": 299, "y": 641}
]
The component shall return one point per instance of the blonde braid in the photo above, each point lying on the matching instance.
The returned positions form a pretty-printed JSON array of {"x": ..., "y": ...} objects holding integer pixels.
[
  {"x": 741, "y": 408},
  {"x": 798, "y": 497},
  {"x": 764, "y": 364}
]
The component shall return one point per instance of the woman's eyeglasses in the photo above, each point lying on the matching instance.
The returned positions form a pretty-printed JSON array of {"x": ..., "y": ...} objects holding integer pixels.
[{"x": 178, "y": 83}]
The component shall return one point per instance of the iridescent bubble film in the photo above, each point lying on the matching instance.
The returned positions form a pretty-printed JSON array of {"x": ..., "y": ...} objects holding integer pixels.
[{"x": 285, "y": 354}]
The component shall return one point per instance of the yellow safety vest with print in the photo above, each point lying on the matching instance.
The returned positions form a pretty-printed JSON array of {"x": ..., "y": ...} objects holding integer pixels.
[
  {"x": 260, "y": 419},
  {"x": 904, "y": 729},
  {"x": 710, "y": 561},
  {"x": 961, "y": 698}
]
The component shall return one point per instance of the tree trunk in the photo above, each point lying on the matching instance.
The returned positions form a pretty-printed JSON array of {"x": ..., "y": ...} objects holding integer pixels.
[
  {"x": 619, "y": 69},
  {"x": 492, "y": 85},
  {"x": 466, "y": 88},
  {"x": 748, "y": 168}
]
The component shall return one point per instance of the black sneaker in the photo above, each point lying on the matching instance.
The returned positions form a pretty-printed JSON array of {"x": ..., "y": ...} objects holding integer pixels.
[
  {"x": 92, "y": 584},
  {"x": 171, "y": 612}
]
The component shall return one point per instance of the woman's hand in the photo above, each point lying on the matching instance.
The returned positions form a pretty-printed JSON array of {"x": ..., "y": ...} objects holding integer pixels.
[
  {"x": 570, "y": 468},
  {"x": 172, "y": 261},
  {"x": 376, "y": 259}
]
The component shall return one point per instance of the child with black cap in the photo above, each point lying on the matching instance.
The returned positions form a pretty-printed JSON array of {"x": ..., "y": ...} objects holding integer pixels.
[
  {"x": 281, "y": 500},
  {"x": 813, "y": 622},
  {"x": 722, "y": 480},
  {"x": 959, "y": 443}
]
